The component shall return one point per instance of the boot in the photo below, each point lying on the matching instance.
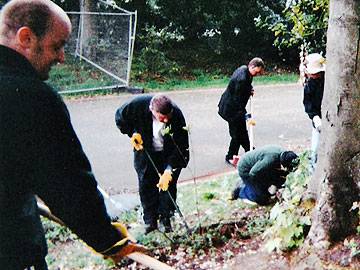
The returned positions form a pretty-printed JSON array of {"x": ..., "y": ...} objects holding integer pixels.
[
  {"x": 235, "y": 194},
  {"x": 236, "y": 191},
  {"x": 150, "y": 227},
  {"x": 167, "y": 224}
]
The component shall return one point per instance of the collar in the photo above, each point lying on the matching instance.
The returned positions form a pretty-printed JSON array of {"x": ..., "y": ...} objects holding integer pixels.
[{"x": 11, "y": 59}]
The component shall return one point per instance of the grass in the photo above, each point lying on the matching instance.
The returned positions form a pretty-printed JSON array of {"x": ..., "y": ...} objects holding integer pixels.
[
  {"x": 211, "y": 210},
  {"x": 75, "y": 74},
  {"x": 213, "y": 81}
]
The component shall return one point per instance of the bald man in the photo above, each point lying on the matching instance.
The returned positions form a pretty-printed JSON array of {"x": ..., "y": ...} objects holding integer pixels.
[{"x": 40, "y": 153}]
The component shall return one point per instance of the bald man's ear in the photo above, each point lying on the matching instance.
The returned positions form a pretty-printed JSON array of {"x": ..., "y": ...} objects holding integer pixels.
[{"x": 25, "y": 37}]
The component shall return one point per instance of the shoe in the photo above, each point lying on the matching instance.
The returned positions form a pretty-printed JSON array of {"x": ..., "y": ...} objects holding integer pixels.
[
  {"x": 235, "y": 194},
  {"x": 233, "y": 162},
  {"x": 229, "y": 161},
  {"x": 247, "y": 201},
  {"x": 166, "y": 224},
  {"x": 150, "y": 228}
]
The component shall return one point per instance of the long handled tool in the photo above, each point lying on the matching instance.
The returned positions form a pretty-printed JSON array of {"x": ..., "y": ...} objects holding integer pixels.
[
  {"x": 251, "y": 124},
  {"x": 114, "y": 208},
  {"x": 171, "y": 198},
  {"x": 135, "y": 256}
]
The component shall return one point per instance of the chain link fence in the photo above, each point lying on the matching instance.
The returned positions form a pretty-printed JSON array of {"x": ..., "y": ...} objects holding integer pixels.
[{"x": 99, "y": 51}]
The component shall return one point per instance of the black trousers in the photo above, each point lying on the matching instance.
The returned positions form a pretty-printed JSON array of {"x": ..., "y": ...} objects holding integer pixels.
[
  {"x": 239, "y": 137},
  {"x": 156, "y": 204},
  {"x": 16, "y": 264},
  {"x": 40, "y": 266}
]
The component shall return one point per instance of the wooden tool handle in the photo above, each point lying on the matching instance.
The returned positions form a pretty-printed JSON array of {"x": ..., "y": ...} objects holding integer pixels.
[
  {"x": 136, "y": 256},
  {"x": 149, "y": 261}
]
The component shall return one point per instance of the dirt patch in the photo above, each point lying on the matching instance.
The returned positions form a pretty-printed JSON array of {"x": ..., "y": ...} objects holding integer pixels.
[
  {"x": 232, "y": 248},
  {"x": 344, "y": 256}
]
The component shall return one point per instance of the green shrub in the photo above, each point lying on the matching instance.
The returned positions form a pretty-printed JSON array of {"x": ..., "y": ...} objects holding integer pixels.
[
  {"x": 55, "y": 232},
  {"x": 152, "y": 62},
  {"x": 290, "y": 219}
]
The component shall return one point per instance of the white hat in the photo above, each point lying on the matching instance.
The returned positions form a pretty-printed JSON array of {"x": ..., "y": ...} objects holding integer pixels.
[{"x": 315, "y": 63}]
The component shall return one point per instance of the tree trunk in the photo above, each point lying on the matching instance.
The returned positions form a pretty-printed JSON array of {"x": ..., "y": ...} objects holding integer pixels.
[
  {"x": 88, "y": 29},
  {"x": 337, "y": 176}
]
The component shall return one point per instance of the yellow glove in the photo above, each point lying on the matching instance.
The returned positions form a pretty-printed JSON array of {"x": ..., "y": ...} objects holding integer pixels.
[
  {"x": 122, "y": 229},
  {"x": 137, "y": 142},
  {"x": 251, "y": 122},
  {"x": 124, "y": 247},
  {"x": 164, "y": 181}
]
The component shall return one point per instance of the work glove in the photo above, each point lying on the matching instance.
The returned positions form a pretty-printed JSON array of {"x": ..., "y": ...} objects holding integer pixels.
[
  {"x": 317, "y": 122},
  {"x": 249, "y": 120},
  {"x": 137, "y": 142},
  {"x": 164, "y": 180},
  {"x": 123, "y": 247},
  {"x": 272, "y": 190}
]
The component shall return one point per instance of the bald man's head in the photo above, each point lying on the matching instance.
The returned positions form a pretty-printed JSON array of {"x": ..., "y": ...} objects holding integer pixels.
[
  {"x": 37, "y": 29},
  {"x": 36, "y": 14}
]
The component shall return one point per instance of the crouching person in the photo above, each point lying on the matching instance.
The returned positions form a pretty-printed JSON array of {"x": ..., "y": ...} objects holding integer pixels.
[{"x": 262, "y": 171}]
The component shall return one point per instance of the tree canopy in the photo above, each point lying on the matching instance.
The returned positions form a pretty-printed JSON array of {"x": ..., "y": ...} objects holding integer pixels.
[
  {"x": 297, "y": 22},
  {"x": 228, "y": 33},
  {"x": 223, "y": 34}
]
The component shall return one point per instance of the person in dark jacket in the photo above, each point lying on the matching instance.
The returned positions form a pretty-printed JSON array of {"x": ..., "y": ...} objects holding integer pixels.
[
  {"x": 313, "y": 94},
  {"x": 40, "y": 154},
  {"x": 262, "y": 171},
  {"x": 233, "y": 102},
  {"x": 158, "y": 134}
]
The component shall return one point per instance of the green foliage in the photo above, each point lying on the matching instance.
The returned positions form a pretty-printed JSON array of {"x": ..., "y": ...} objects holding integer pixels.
[
  {"x": 211, "y": 227},
  {"x": 68, "y": 5},
  {"x": 276, "y": 78},
  {"x": 129, "y": 216},
  {"x": 356, "y": 207},
  {"x": 353, "y": 246},
  {"x": 220, "y": 222},
  {"x": 152, "y": 62},
  {"x": 222, "y": 25},
  {"x": 76, "y": 255},
  {"x": 55, "y": 232},
  {"x": 208, "y": 80},
  {"x": 75, "y": 74},
  {"x": 209, "y": 196},
  {"x": 206, "y": 36},
  {"x": 257, "y": 225},
  {"x": 299, "y": 22},
  {"x": 290, "y": 219}
]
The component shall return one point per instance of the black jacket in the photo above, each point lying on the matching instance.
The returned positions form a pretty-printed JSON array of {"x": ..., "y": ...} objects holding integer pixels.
[
  {"x": 135, "y": 116},
  {"x": 233, "y": 101},
  {"x": 40, "y": 154},
  {"x": 313, "y": 94}
]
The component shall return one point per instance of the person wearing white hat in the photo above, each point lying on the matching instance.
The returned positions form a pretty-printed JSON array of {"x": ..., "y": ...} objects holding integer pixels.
[{"x": 313, "y": 94}]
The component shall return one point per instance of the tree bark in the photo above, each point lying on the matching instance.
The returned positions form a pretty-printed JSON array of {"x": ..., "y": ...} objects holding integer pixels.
[
  {"x": 337, "y": 176},
  {"x": 88, "y": 37}
]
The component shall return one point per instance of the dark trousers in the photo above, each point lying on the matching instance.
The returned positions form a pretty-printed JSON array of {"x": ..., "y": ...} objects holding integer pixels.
[
  {"x": 239, "y": 137},
  {"x": 156, "y": 204},
  {"x": 16, "y": 264},
  {"x": 40, "y": 266},
  {"x": 255, "y": 190}
]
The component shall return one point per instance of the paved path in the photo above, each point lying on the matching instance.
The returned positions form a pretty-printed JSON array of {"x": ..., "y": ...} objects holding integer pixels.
[{"x": 278, "y": 110}]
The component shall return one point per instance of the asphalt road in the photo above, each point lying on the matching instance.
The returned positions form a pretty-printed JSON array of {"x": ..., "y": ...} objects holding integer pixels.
[{"x": 278, "y": 111}]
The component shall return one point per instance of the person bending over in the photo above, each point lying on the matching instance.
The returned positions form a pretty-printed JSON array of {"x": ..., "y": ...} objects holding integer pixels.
[
  {"x": 262, "y": 171},
  {"x": 158, "y": 133}
]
